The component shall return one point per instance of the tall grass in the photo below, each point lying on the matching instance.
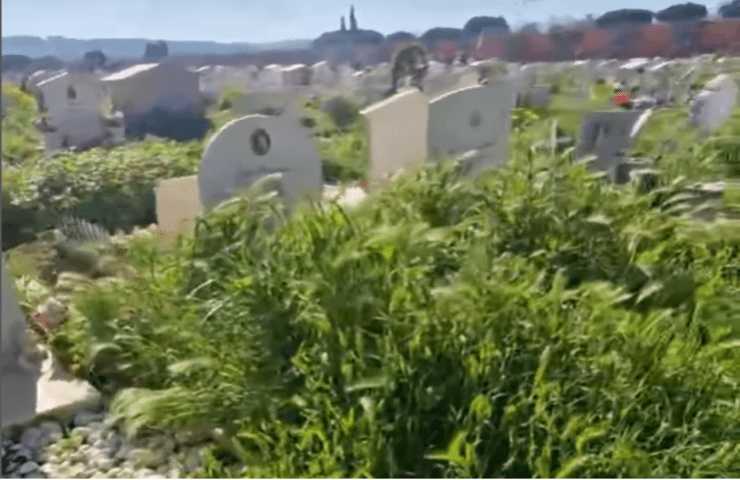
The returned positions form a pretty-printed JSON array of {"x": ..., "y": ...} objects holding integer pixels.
[{"x": 535, "y": 322}]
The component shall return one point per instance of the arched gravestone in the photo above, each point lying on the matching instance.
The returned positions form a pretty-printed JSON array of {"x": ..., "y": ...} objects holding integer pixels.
[
  {"x": 18, "y": 391},
  {"x": 475, "y": 121},
  {"x": 249, "y": 148},
  {"x": 608, "y": 135},
  {"x": 714, "y": 105}
]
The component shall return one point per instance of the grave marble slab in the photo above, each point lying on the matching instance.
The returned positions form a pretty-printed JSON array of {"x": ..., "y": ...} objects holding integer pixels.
[
  {"x": 397, "y": 134},
  {"x": 252, "y": 147},
  {"x": 178, "y": 204},
  {"x": 713, "y": 106},
  {"x": 474, "y": 118}
]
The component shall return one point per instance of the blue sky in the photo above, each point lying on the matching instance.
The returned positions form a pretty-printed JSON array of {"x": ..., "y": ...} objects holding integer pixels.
[{"x": 270, "y": 20}]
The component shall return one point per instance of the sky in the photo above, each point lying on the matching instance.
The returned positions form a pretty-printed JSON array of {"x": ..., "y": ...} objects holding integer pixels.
[{"x": 273, "y": 20}]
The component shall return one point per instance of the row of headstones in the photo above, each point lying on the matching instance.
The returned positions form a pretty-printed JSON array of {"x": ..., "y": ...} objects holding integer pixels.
[
  {"x": 408, "y": 129},
  {"x": 665, "y": 80},
  {"x": 214, "y": 80},
  {"x": 369, "y": 84},
  {"x": 404, "y": 131}
]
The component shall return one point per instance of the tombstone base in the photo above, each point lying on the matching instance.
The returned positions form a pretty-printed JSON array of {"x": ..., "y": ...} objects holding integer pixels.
[
  {"x": 27, "y": 395},
  {"x": 17, "y": 395}
]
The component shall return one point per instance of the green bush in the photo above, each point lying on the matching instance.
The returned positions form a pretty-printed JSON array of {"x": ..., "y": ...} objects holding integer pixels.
[
  {"x": 537, "y": 322},
  {"x": 111, "y": 187},
  {"x": 342, "y": 111},
  {"x": 226, "y": 102},
  {"x": 345, "y": 155}
]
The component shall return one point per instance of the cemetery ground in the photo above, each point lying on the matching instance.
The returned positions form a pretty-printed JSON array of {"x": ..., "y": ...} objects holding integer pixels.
[{"x": 536, "y": 321}]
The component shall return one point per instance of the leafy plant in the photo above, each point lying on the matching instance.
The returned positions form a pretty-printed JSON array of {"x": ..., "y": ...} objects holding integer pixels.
[{"x": 111, "y": 187}]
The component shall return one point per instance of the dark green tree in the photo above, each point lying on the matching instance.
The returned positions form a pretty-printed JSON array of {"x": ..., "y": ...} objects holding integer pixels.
[
  {"x": 730, "y": 10},
  {"x": 625, "y": 16},
  {"x": 682, "y": 12},
  {"x": 94, "y": 59},
  {"x": 478, "y": 25}
]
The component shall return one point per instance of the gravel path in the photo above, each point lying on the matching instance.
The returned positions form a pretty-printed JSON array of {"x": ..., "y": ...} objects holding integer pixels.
[{"x": 88, "y": 448}]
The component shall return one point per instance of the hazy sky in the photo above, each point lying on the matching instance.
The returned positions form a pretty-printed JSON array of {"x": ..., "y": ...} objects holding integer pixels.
[{"x": 269, "y": 20}]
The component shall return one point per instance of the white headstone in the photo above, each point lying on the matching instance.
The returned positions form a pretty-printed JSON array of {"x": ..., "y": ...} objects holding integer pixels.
[
  {"x": 537, "y": 96},
  {"x": 323, "y": 75},
  {"x": 296, "y": 75},
  {"x": 270, "y": 77},
  {"x": 178, "y": 204},
  {"x": 714, "y": 105},
  {"x": 285, "y": 102},
  {"x": 473, "y": 119},
  {"x": 252, "y": 147},
  {"x": 397, "y": 133},
  {"x": 215, "y": 79}
]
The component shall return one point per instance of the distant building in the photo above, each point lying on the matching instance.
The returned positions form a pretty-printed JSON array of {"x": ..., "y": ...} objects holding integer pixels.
[{"x": 352, "y": 45}]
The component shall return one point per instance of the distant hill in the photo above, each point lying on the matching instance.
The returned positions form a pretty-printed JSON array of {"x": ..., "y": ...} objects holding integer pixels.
[{"x": 73, "y": 49}]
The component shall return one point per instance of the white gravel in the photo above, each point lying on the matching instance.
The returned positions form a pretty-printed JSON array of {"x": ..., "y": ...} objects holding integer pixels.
[{"x": 89, "y": 448}]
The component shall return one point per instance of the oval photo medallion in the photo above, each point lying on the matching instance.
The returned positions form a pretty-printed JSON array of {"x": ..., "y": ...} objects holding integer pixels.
[
  {"x": 260, "y": 141},
  {"x": 475, "y": 119}
]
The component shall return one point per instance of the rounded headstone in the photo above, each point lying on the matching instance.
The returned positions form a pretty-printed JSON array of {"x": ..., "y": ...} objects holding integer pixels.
[{"x": 252, "y": 147}]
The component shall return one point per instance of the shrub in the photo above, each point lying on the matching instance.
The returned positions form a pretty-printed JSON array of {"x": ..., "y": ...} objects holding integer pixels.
[
  {"x": 226, "y": 102},
  {"x": 625, "y": 16},
  {"x": 342, "y": 111},
  {"x": 730, "y": 9},
  {"x": 113, "y": 188},
  {"x": 682, "y": 12}
]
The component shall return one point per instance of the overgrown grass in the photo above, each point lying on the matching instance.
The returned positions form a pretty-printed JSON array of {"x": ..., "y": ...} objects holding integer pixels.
[
  {"x": 680, "y": 150},
  {"x": 342, "y": 142},
  {"x": 536, "y": 322}
]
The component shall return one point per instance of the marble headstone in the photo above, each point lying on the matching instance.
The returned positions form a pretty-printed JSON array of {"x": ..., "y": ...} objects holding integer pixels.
[
  {"x": 252, "y": 147},
  {"x": 474, "y": 119},
  {"x": 714, "y": 105},
  {"x": 178, "y": 204},
  {"x": 397, "y": 132}
]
